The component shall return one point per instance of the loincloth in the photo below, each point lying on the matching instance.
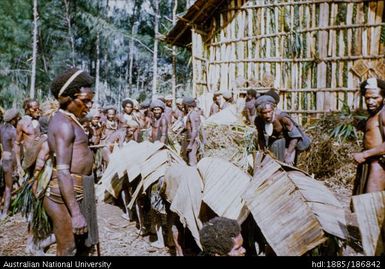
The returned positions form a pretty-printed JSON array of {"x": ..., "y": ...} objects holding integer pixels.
[
  {"x": 53, "y": 191},
  {"x": 85, "y": 195}
]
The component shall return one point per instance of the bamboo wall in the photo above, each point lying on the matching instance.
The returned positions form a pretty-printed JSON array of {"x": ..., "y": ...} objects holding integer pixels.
[{"x": 317, "y": 51}]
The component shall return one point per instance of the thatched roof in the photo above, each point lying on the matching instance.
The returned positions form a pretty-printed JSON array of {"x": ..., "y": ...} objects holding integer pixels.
[{"x": 198, "y": 14}]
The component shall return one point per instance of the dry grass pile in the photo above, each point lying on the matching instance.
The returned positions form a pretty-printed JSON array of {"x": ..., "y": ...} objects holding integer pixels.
[
  {"x": 329, "y": 159},
  {"x": 230, "y": 142}
]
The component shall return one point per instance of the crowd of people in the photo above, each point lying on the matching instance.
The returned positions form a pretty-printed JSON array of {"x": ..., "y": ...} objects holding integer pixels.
[{"x": 62, "y": 155}]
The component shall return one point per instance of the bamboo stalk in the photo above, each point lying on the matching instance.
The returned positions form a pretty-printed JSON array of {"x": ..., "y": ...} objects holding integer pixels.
[
  {"x": 349, "y": 17},
  {"x": 322, "y": 52},
  {"x": 249, "y": 43}
]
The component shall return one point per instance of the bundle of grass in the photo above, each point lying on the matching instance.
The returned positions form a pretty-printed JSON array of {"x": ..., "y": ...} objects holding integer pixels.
[
  {"x": 334, "y": 140},
  {"x": 233, "y": 143}
]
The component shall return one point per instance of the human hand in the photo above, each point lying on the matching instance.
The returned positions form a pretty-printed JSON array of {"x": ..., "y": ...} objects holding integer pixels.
[
  {"x": 20, "y": 172},
  {"x": 289, "y": 158},
  {"x": 359, "y": 157},
  {"x": 79, "y": 224}
]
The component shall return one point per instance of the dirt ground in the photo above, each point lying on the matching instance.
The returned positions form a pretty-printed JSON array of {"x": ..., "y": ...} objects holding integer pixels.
[{"x": 118, "y": 236}]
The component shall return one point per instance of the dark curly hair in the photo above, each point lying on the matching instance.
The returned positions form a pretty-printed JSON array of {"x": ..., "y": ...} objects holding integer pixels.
[
  {"x": 217, "y": 236},
  {"x": 252, "y": 92},
  {"x": 82, "y": 80},
  {"x": 380, "y": 84},
  {"x": 27, "y": 103}
]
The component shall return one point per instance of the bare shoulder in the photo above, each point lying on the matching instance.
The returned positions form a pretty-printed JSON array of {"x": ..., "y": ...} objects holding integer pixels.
[{"x": 60, "y": 125}]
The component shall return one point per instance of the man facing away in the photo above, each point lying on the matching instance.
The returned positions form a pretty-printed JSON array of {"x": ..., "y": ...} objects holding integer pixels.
[
  {"x": 371, "y": 164},
  {"x": 70, "y": 199}
]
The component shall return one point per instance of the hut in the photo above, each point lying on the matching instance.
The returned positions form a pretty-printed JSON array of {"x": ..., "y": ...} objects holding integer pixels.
[{"x": 315, "y": 52}]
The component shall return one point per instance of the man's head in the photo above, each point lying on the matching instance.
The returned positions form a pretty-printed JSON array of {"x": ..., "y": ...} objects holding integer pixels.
[
  {"x": 222, "y": 237},
  {"x": 179, "y": 103},
  {"x": 32, "y": 108},
  {"x": 217, "y": 97},
  {"x": 251, "y": 94},
  {"x": 131, "y": 127},
  {"x": 188, "y": 102},
  {"x": 128, "y": 106},
  {"x": 157, "y": 107},
  {"x": 111, "y": 113},
  {"x": 373, "y": 90},
  {"x": 12, "y": 116},
  {"x": 265, "y": 106},
  {"x": 73, "y": 91},
  {"x": 168, "y": 100}
]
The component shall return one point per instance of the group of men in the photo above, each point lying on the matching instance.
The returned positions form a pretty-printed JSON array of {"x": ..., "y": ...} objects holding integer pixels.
[
  {"x": 70, "y": 138},
  {"x": 70, "y": 144}
]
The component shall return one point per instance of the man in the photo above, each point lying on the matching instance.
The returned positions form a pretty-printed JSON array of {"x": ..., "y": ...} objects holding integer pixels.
[
  {"x": 28, "y": 138},
  {"x": 128, "y": 112},
  {"x": 110, "y": 126},
  {"x": 250, "y": 112},
  {"x": 371, "y": 166},
  {"x": 7, "y": 140},
  {"x": 193, "y": 124},
  {"x": 216, "y": 105},
  {"x": 276, "y": 131},
  {"x": 159, "y": 123},
  {"x": 222, "y": 237},
  {"x": 168, "y": 112},
  {"x": 179, "y": 109},
  {"x": 96, "y": 127},
  {"x": 70, "y": 199}
]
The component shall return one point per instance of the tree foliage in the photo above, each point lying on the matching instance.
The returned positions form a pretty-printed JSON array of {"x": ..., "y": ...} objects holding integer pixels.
[{"x": 113, "y": 21}]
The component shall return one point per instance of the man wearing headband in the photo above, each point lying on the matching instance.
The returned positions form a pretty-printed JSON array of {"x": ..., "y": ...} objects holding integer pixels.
[
  {"x": 70, "y": 197},
  {"x": 276, "y": 131},
  {"x": 371, "y": 163},
  {"x": 7, "y": 140}
]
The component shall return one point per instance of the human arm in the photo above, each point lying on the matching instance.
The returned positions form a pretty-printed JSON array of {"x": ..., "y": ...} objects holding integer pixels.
[
  {"x": 293, "y": 135},
  {"x": 361, "y": 157},
  {"x": 18, "y": 143},
  {"x": 163, "y": 130},
  {"x": 40, "y": 162},
  {"x": 195, "y": 122},
  {"x": 64, "y": 138}
]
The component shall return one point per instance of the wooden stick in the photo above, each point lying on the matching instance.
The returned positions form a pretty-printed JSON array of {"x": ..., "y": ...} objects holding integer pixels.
[
  {"x": 313, "y": 29},
  {"x": 295, "y": 3},
  {"x": 293, "y": 60}
]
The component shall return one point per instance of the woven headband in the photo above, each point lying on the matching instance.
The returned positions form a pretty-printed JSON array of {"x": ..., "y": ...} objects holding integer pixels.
[{"x": 69, "y": 81}]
